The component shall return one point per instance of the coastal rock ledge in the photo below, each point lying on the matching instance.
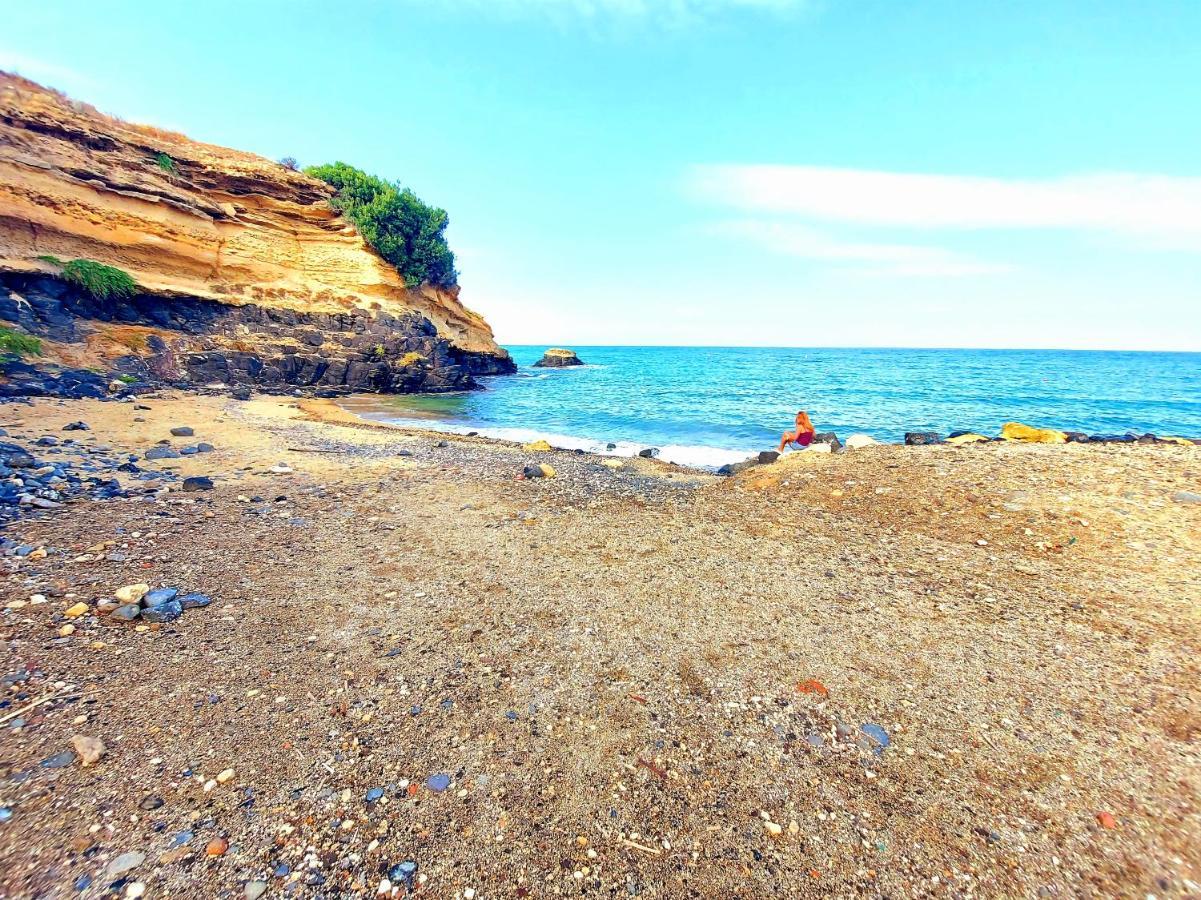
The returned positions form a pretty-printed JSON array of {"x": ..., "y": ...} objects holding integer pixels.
[
  {"x": 558, "y": 358},
  {"x": 244, "y": 273}
]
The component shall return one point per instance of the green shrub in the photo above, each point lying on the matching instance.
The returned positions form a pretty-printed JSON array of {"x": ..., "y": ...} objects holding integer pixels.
[
  {"x": 101, "y": 281},
  {"x": 53, "y": 260},
  {"x": 395, "y": 222},
  {"x": 13, "y": 343},
  {"x": 166, "y": 163}
]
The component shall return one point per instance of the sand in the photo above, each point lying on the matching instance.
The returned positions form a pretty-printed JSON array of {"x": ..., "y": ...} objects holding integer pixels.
[{"x": 638, "y": 680}]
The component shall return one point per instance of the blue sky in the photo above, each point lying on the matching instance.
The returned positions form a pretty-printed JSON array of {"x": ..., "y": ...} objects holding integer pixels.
[{"x": 775, "y": 172}]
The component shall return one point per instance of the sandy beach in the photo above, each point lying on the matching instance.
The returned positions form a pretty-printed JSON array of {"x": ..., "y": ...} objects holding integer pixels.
[{"x": 931, "y": 671}]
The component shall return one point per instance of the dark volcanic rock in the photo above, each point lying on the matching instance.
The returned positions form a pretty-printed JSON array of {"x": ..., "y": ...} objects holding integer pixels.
[
  {"x": 203, "y": 341},
  {"x": 164, "y": 612},
  {"x": 828, "y": 437},
  {"x": 920, "y": 438},
  {"x": 198, "y": 483},
  {"x": 768, "y": 456},
  {"x": 649, "y": 453},
  {"x": 194, "y": 600}
]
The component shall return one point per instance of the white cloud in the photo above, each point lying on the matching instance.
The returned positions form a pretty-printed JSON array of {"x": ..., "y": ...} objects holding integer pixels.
[
  {"x": 1158, "y": 210},
  {"x": 795, "y": 239}
]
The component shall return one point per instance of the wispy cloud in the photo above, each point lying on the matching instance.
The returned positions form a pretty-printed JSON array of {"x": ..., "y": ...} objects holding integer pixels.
[
  {"x": 668, "y": 12},
  {"x": 1154, "y": 210},
  {"x": 61, "y": 77},
  {"x": 794, "y": 239}
]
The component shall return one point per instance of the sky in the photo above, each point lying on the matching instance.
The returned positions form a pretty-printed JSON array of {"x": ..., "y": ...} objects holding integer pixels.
[{"x": 927, "y": 173}]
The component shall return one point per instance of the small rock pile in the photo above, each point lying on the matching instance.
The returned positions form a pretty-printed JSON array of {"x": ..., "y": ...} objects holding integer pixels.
[
  {"x": 29, "y": 482},
  {"x": 141, "y": 602}
]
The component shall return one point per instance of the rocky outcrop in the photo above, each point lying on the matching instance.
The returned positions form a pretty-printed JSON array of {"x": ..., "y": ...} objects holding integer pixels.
[
  {"x": 242, "y": 264},
  {"x": 558, "y": 358}
]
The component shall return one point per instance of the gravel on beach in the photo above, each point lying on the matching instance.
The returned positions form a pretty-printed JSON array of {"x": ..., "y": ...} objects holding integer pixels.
[{"x": 895, "y": 671}]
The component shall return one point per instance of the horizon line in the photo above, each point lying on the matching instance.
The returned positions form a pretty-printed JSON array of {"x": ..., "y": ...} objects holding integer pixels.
[{"x": 849, "y": 347}]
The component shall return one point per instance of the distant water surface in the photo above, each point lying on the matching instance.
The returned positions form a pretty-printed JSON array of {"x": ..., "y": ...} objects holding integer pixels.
[{"x": 711, "y": 405}]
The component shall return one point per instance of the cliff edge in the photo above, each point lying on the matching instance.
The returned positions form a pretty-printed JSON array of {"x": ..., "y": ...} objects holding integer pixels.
[{"x": 231, "y": 253}]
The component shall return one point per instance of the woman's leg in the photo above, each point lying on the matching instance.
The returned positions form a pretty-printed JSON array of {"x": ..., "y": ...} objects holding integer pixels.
[{"x": 785, "y": 439}]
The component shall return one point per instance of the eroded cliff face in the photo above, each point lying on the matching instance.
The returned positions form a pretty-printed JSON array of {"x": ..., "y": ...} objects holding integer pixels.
[{"x": 233, "y": 253}]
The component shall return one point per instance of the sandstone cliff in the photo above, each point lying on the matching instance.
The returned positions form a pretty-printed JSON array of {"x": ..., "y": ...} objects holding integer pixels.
[{"x": 231, "y": 237}]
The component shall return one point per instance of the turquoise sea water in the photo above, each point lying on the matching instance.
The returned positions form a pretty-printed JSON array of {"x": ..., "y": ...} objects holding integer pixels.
[{"x": 710, "y": 405}]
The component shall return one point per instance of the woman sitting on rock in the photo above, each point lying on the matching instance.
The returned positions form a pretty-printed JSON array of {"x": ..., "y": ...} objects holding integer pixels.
[{"x": 803, "y": 434}]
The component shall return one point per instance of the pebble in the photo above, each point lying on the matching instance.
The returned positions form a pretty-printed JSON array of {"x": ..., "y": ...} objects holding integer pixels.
[
  {"x": 151, "y": 803},
  {"x": 79, "y": 609},
  {"x": 131, "y": 593},
  {"x": 164, "y": 612},
  {"x": 124, "y": 863},
  {"x": 198, "y": 483},
  {"x": 126, "y": 613},
  {"x": 6, "y": 813},
  {"x": 438, "y": 783},
  {"x": 255, "y": 889},
  {"x": 374, "y": 794},
  {"x": 182, "y": 431},
  {"x": 216, "y": 847},
  {"x": 194, "y": 601},
  {"x": 90, "y": 749},
  {"x": 58, "y": 760},
  {"x": 67, "y": 630},
  {"x": 1186, "y": 497},
  {"x": 135, "y": 890},
  {"x": 225, "y": 777},
  {"x": 159, "y": 596}
]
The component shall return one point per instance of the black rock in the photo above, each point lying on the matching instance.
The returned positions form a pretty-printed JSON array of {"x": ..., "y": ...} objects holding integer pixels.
[
  {"x": 19, "y": 460},
  {"x": 182, "y": 431},
  {"x": 164, "y": 612},
  {"x": 76, "y": 426},
  {"x": 921, "y": 438},
  {"x": 768, "y": 456},
  {"x": 161, "y": 453},
  {"x": 194, "y": 600},
  {"x": 533, "y": 472},
  {"x": 828, "y": 437},
  {"x": 47, "y": 441},
  {"x": 198, "y": 483},
  {"x": 202, "y": 447},
  {"x": 1076, "y": 437},
  {"x": 159, "y": 596},
  {"x": 649, "y": 453},
  {"x": 240, "y": 392}
]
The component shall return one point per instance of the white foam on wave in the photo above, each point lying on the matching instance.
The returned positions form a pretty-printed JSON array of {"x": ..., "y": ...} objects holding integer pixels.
[{"x": 694, "y": 456}]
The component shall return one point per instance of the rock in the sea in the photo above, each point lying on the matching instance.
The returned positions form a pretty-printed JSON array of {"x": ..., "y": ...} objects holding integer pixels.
[
  {"x": 558, "y": 358},
  {"x": 859, "y": 441},
  {"x": 649, "y": 453},
  {"x": 921, "y": 438},
  {"x": 164, "y": 612},
  {"x": 198, "y": 483}
]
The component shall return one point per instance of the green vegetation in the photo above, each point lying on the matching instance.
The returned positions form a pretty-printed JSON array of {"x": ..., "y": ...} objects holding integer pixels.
[
  {"x": 13, "y": 343},
  {"x": 166, "y": 163},
  {"x": 101, "y": 281},
  {"x": 395, "y": 222},
  {"x": 126, "y": 379}
]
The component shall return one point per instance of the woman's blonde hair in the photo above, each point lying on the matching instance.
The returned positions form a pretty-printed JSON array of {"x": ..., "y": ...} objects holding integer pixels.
[{"x": 803, "y": 422}]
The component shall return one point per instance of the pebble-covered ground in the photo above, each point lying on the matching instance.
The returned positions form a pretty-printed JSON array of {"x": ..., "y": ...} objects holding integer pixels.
[{"x": 895, "y": 672}]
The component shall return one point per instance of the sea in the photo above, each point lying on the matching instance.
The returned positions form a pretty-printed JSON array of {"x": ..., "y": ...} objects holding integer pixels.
[{"x": 707, "y": 406}]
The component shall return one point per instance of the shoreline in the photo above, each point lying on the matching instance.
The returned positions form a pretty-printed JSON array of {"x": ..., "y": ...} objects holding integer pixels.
[{"x": 836, "y": 675}]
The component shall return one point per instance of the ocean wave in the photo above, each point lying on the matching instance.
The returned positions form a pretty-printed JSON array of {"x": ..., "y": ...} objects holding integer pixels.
[{"x": 691, "y": 455}]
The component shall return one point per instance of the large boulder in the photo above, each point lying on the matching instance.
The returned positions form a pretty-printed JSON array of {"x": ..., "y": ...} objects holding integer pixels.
[{"x": 558, "y": 358}]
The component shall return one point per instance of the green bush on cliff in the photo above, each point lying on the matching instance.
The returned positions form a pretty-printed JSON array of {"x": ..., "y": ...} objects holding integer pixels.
[
  {"x": 401, "y": 228},
  {"x": 14, "y": 344},
  {"x": 101, "y": 281}
]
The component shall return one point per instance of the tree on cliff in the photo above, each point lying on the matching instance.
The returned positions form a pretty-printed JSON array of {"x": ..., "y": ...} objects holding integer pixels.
[{"x": 403, "y": 230}]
